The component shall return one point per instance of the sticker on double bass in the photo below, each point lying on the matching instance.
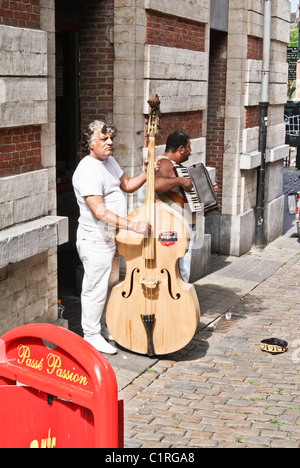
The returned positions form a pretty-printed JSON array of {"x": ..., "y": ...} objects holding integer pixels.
[{"x": 167, "y": 238}]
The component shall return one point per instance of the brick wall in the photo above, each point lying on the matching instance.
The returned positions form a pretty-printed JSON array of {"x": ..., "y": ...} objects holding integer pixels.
[
  {"x": 251, "y": 116},
  {"x": 170, "y": 31},
  {"x": 20, "y": 150},
  {"x": 97, "y": 61},
  {"x": 21, "y": 13},
  {"x": 254, "y": 48},
  {"x": 29, "y": 238},
  {"x": 216, "y": 107},
  {"x": 189, "y": 122}
]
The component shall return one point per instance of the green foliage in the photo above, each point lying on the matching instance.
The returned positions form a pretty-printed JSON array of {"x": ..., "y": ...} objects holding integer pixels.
[{"x": 293, "y": 37}]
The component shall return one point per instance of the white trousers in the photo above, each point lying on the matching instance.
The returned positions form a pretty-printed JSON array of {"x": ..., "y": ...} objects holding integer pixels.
[
  {"x": 185, "y": 263},
  {"x": 101, "y": 273}
]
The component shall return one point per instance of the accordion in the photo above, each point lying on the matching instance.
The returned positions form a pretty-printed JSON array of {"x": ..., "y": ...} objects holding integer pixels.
[{"x": 203, "y": 192}]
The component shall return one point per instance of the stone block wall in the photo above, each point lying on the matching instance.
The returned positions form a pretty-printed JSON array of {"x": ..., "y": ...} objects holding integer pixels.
[
  {"x": 29, "y": 228},
  {"x": 164, "y": 50},
  {"x": 161, "y": 47},
  {"x": 28, "y": 291},
  {"x": 215, "y": 82},
  {"x": 243, "y": 94}
]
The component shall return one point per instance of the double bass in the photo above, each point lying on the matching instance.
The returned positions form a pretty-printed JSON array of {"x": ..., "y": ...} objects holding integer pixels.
[{"x": 153, "y": 311}]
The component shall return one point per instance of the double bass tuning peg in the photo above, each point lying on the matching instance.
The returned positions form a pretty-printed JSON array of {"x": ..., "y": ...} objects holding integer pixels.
[
  {"x": 154, "y": 101},
  {"x": 153, "y": 123}
]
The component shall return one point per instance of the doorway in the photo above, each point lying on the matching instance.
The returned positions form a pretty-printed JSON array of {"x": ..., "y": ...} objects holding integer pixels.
[
  {"x": 67, "y": 90},
  {"x": 67, "y": 140}
]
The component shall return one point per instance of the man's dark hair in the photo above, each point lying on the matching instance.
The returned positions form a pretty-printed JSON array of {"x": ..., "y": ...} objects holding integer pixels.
[{"x": 175, "y": 140}]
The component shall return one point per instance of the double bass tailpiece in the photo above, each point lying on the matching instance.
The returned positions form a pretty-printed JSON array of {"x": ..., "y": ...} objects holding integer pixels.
[{"x": 148, "y": 322}]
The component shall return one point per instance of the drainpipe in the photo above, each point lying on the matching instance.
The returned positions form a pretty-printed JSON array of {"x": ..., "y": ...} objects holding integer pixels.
[{"x": 263, "y": 125}]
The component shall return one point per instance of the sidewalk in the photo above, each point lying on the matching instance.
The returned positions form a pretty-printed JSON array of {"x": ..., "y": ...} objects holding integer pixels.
[{"x": 222, "y": 390}]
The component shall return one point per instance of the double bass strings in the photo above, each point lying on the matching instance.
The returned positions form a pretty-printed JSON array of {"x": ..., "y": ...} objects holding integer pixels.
[
  {"x": 148, "y": 268},
  {"x": 148, "y": 256}
]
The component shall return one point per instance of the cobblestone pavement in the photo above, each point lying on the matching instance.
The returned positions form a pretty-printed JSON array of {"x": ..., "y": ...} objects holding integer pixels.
[{"x": 223, "y": 391}]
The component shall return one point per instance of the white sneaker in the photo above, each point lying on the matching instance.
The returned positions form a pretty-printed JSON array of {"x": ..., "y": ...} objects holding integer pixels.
[
  {"x": 105, "y": 333},
  {"x": 100, "y": 344}
]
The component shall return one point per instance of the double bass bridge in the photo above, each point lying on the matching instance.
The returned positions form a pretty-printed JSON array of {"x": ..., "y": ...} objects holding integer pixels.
[{"x": 151, "y": 284}]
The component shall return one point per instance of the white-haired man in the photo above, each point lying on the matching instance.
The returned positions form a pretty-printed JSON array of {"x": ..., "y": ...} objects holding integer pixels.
[{"x": 98, "y": 184}]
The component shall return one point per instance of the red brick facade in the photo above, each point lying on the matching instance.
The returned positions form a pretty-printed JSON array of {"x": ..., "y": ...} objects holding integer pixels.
[
  {"x": 216, "y": 107},
  {"x": 254, "y": 48},
  {"x": 21, "y": 13},
  {"x": 189, "y": 122},
  {"x": 171, "y": 31},
  {"x": 97, "y": 61},
  {"x": 251, "y": 116},
  {"x": 20, "y": 150}
]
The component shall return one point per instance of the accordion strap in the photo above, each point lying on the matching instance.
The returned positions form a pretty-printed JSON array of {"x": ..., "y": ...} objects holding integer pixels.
[{"x": 175, "y": 198}]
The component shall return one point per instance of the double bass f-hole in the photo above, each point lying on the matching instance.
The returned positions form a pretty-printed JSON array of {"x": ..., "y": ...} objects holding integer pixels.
[
  {"x": 178, "y": 295},
  {"x": 124, "y": 294}
]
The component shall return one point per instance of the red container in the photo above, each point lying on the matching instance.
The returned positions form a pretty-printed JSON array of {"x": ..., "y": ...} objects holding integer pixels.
[{"x": 56, "y": 391}]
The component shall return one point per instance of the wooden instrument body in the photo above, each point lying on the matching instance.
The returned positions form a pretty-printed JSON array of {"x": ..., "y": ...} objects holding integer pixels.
[
  {"x": 153, "y": 288},
  {"x": 153, "y": 311}
]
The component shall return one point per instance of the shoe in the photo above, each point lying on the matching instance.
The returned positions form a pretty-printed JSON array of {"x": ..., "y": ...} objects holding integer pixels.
[
  {"x": 99, "y": 343},
  {"x": 106, "y": 335}
]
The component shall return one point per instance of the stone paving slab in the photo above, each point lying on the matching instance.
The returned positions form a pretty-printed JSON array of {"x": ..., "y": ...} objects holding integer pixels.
[
  {"x": 218, "y": 294},
  {"x": 252, "y": 269}
]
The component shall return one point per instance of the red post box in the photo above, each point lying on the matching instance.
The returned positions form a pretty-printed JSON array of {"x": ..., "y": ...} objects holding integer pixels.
[{"x": 56, "y": 390}]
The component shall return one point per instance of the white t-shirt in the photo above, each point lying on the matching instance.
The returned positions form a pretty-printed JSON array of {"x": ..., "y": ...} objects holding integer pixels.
[{"x": 94, "y": 177}]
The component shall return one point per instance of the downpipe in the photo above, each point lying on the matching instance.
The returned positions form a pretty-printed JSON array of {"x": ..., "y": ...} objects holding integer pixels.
[
  {"x": 263, "y": 127},
  {"x": 261, "y": 175}
]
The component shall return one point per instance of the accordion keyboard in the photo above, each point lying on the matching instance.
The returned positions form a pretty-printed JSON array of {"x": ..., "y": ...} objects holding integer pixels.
[{"x": 191, "y": 197}]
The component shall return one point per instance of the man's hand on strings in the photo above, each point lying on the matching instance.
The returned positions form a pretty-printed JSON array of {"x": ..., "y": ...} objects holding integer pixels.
[
  {"x": 141, "y": 227},
  {"x": 156, "y": 166}
]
